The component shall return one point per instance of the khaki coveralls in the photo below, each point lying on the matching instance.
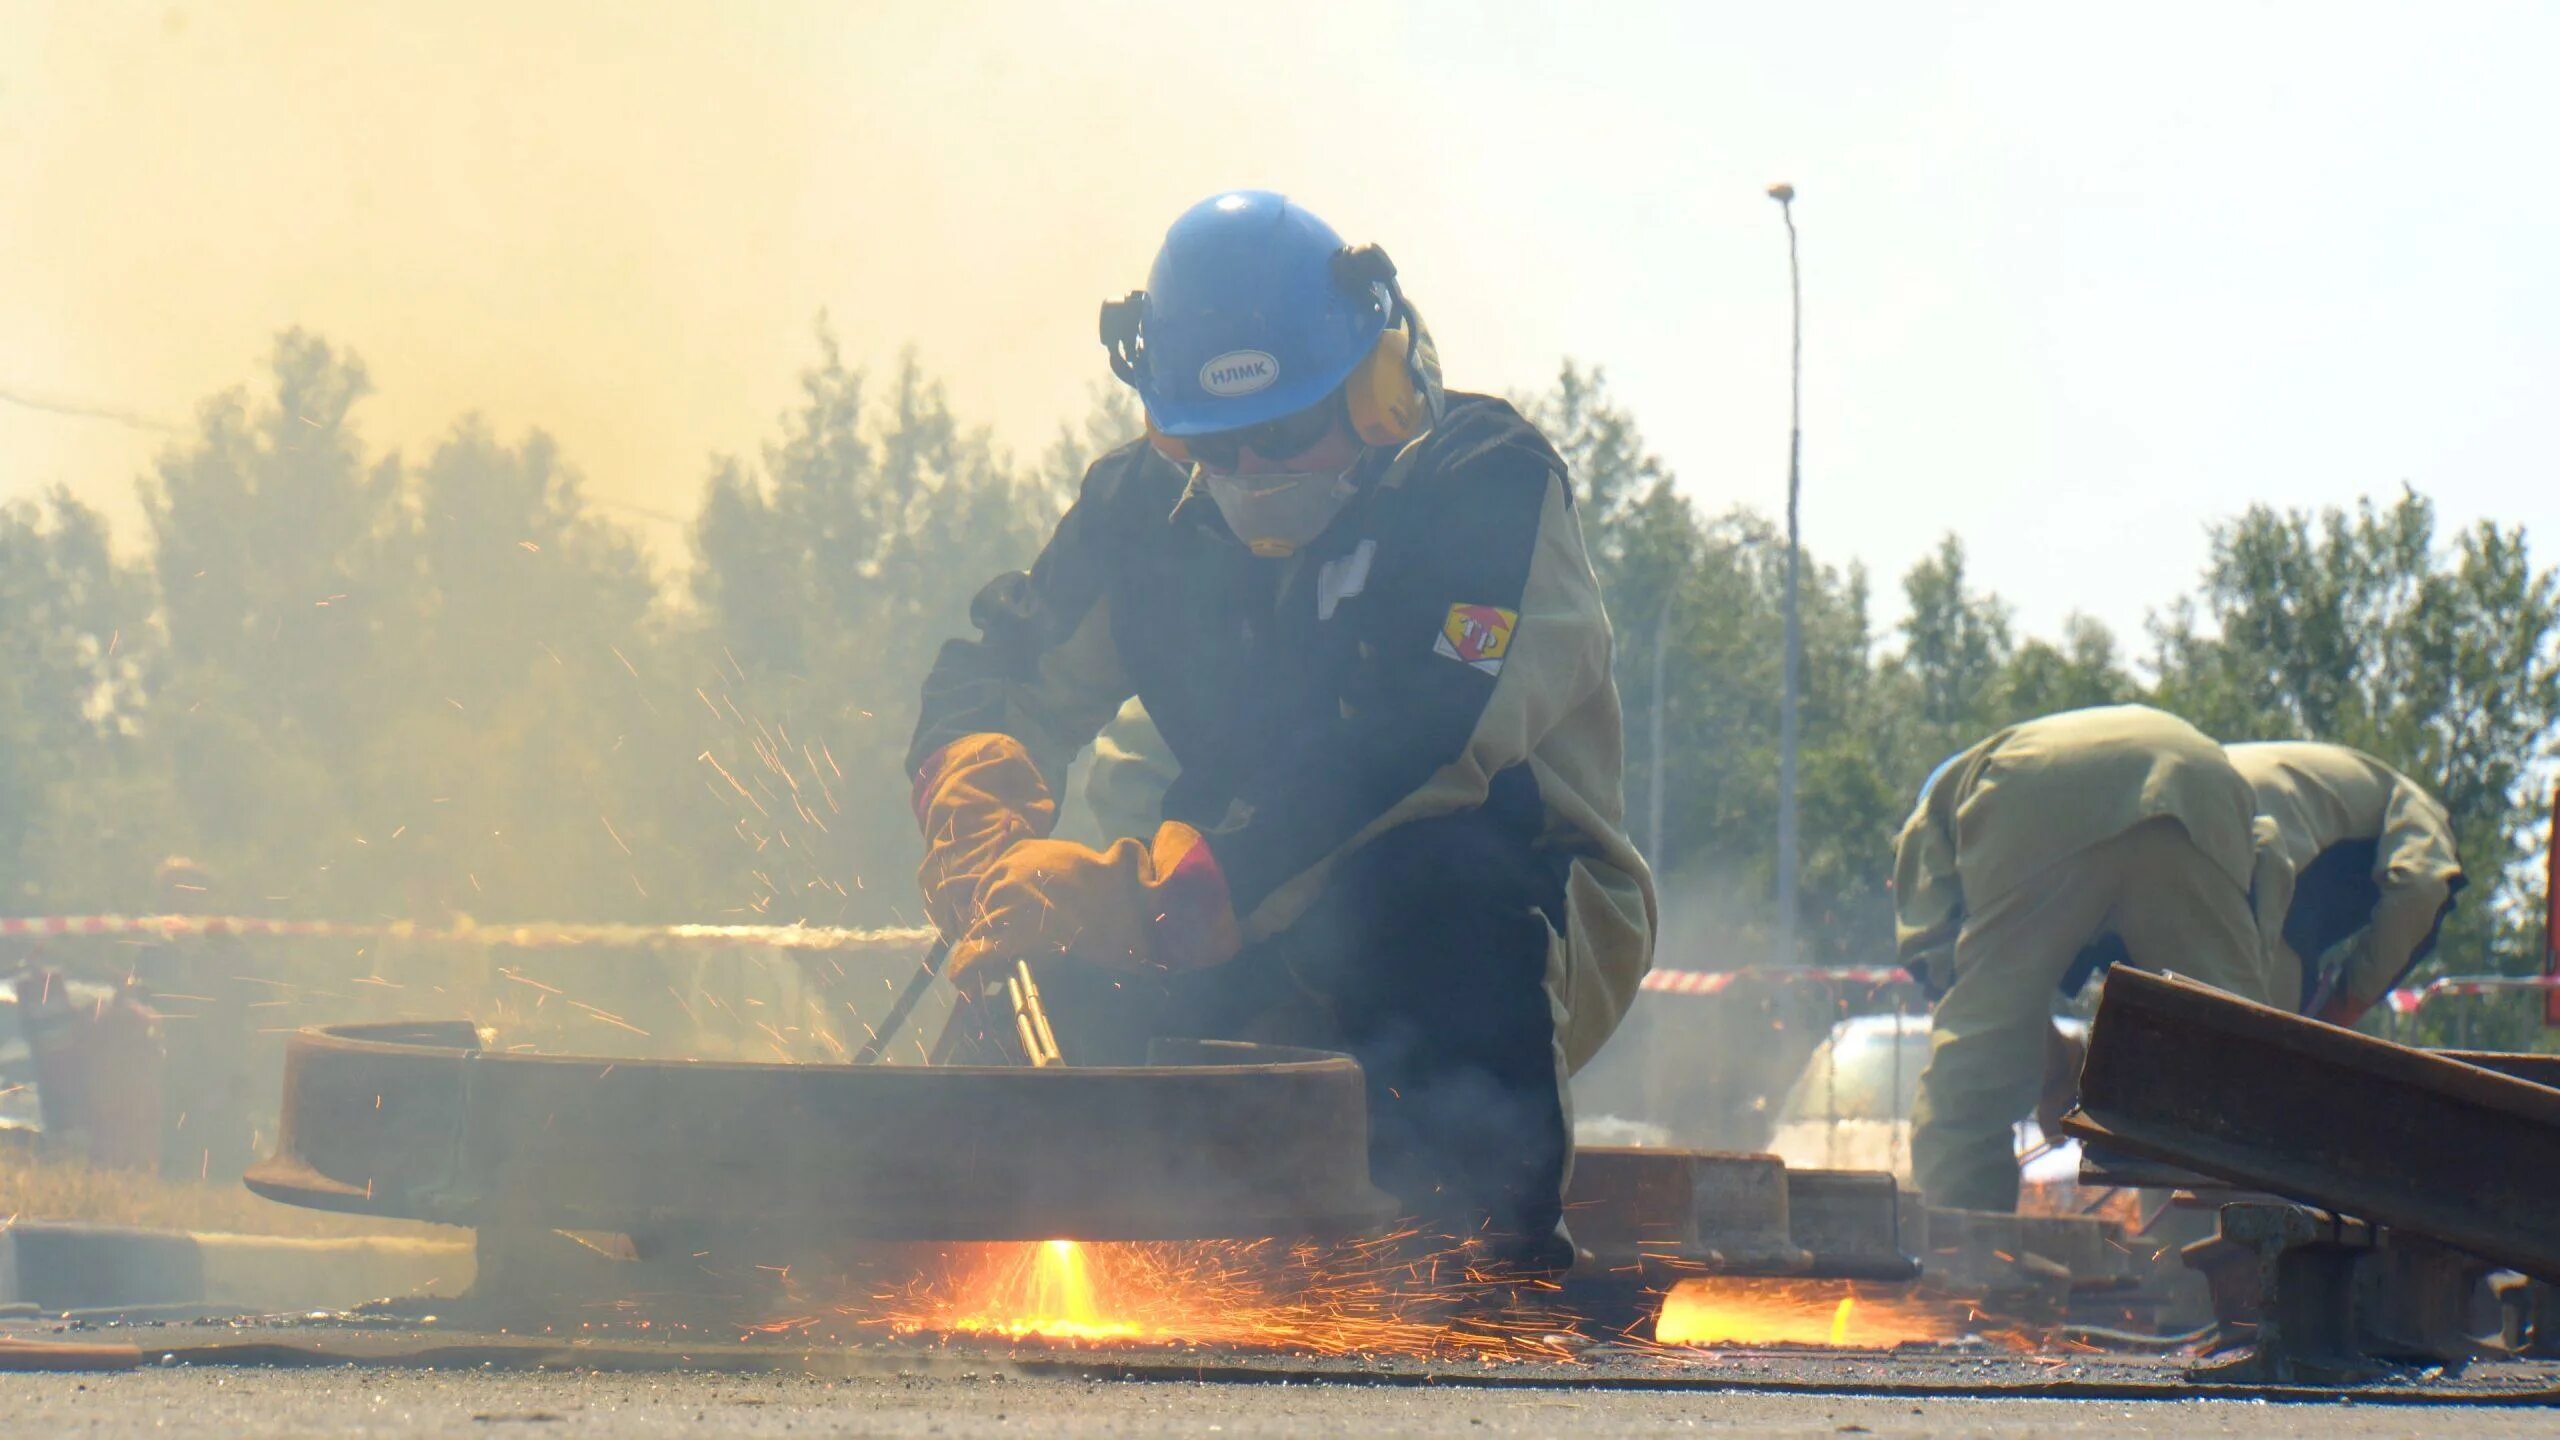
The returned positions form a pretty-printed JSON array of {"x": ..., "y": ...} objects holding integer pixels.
[
  {"x": 2040, "y": 841},
  {"x": 2373, "y": 868}
]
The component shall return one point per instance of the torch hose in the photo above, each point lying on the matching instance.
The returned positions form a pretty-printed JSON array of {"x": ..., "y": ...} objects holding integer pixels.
[{"x": 905, "y": 1004}]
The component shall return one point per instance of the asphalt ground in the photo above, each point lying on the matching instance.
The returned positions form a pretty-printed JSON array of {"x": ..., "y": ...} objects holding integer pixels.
[
  {"x": 294, "y": 1402},
  {"x": 316, "y": 1377}
]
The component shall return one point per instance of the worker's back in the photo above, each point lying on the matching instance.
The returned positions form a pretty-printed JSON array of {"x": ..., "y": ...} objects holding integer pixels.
[
  {"x": 2322, "y": 795},
  {"x": 2049, "y": 788},
  {"x": 2372, "y": 859},
  {"x": 2121, "y": 827}
]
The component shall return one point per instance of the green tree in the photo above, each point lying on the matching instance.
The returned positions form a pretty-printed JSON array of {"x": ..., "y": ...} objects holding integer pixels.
[
  {"x": 1961, "y": 674},
  {"x": 1955, "y": 646},
  {"x": 525, "y": 769},
  {"x": 1112, "y": 419},
  {"x": 2044, "y": 677},
  {"x": 79, "y": 657},
  {"x": 1710, "y": 594},
  {"x": 360, "y": 687},
  {"x": 1635, "y": 525},
  {"x": 1644, "y": 539},
  {"x": 825, "y": 585},
  {"x": 409, "y": 691},
  {"x": 268, "y": 534}
]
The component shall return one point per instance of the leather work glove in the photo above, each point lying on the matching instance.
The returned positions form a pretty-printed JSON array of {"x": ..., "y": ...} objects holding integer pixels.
[
  {"x": 975, "y": 799},
  {"x": 1157, "y": 906}
]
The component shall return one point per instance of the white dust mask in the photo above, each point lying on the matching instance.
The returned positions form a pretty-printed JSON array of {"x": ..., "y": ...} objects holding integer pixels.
[{"x": 1277, "y": 514}]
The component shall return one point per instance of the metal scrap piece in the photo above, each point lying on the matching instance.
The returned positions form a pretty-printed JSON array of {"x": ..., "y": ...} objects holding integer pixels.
[
  {"x": 1218, "y": 1139},
  {"x": 1852, "y": 1222},
  {"x": 2091, "y": 1250},
  {"x": 2029, "y": 1266},
  {"x": 1707, "y": 1211},
  {"x": 2183, "y": 1073}
]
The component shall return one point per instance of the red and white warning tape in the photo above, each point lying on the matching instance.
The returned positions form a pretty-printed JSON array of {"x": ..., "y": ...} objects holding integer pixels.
[
  {"x": 2404, "y": 1002},
  {"x": 2407, "y": 1001},
  {"x": 540, "y": 935},
  {"x": 529, "y": 936}
]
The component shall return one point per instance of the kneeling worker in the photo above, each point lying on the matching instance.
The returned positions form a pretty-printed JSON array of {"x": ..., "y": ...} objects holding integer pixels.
[
  {"x": 1358, "y": 609},
  {"x": 2120, "y": 831},
  {"x": 2373, "y": 863}
]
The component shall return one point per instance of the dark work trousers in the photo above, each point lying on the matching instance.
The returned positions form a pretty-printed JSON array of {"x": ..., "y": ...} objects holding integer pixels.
[{"x": 1425, "y": 958}]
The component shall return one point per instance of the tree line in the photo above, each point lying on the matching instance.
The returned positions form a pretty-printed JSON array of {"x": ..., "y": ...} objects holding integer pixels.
[
  {"x": 2364, "y": 623},
  {"x": 357, "y": 684}
]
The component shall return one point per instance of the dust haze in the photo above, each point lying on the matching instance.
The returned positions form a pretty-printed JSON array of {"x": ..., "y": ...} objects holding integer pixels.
[{"x": 614, "y": 225}]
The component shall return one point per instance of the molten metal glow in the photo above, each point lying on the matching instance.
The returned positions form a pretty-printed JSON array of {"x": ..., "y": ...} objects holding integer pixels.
[
  {"x": 1797, "y": 1312},
  {"x": 1369, "y": 1298},
  {"x": 1044, "y": 1290}
]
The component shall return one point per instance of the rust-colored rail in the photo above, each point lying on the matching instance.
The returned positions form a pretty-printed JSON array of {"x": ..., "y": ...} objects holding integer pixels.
[
  {"x": 1217, "y": 1139},
  {"x": 2183, "y": 1073}
]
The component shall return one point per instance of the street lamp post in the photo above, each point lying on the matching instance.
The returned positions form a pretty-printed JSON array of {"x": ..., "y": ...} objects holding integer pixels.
[
  {"x": 1785, "y": 195},
  {"x": 1653, "y": 807}
]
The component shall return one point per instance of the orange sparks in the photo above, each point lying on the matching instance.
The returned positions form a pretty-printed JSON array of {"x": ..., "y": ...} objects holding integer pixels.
[
  {"x": 732, "y": 779},
  {"x": 606, "y": 1017},
  {"x": 1797, "y": 1312},
  {"x": 1047, "y": 1292},
  {"x": 1366, "y": 1298}
]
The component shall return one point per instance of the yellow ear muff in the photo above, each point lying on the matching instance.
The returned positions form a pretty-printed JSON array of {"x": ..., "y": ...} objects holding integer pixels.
[
  {"x": 1387, "y": 408},
  {"x": 1167, "y": 446}
]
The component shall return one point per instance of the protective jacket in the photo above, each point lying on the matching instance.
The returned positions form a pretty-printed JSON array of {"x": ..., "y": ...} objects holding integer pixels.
[
  {"x": 2045, "y": 790},
  {"x": 2373, "y": 863},
  {"x": 1441, "y": 648},
  {"x": 2117, "y": 835}
]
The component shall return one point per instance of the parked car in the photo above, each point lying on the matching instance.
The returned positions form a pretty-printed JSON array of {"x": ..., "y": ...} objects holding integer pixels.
[{"x": 1850, "y": 1107}]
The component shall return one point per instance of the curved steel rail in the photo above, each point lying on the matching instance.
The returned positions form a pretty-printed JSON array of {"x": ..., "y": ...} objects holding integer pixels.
[{"x": 1216, "y": 1139}]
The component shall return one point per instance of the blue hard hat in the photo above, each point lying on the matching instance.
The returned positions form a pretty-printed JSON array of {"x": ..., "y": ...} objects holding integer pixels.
[{"x": 1244, "y": 319}]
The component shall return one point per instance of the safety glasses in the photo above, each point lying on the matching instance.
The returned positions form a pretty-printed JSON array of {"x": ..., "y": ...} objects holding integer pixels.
[{"x": 1272, "y": 439}]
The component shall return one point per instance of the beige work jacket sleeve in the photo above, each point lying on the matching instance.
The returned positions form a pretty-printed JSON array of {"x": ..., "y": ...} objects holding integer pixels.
[
  {"x": 2417, "y": 870},
  {"x": 1553, "y": 709},
  {"x": 1928, "y": 894}
]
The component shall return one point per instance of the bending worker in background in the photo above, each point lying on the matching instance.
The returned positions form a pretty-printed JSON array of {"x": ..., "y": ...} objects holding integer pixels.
[
  {"x": 1358, "y": 609},
  {"x": 2120, "y": 832},
  {"x": 2373, "y": 866}
]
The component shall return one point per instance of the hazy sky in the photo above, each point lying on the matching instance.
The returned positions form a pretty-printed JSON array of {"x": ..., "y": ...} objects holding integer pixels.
[{"x": 2078, "y": 279}]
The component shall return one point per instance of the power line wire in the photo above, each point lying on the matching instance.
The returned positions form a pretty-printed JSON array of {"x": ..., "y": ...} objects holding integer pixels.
[{"x": 85, "y": 410}]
